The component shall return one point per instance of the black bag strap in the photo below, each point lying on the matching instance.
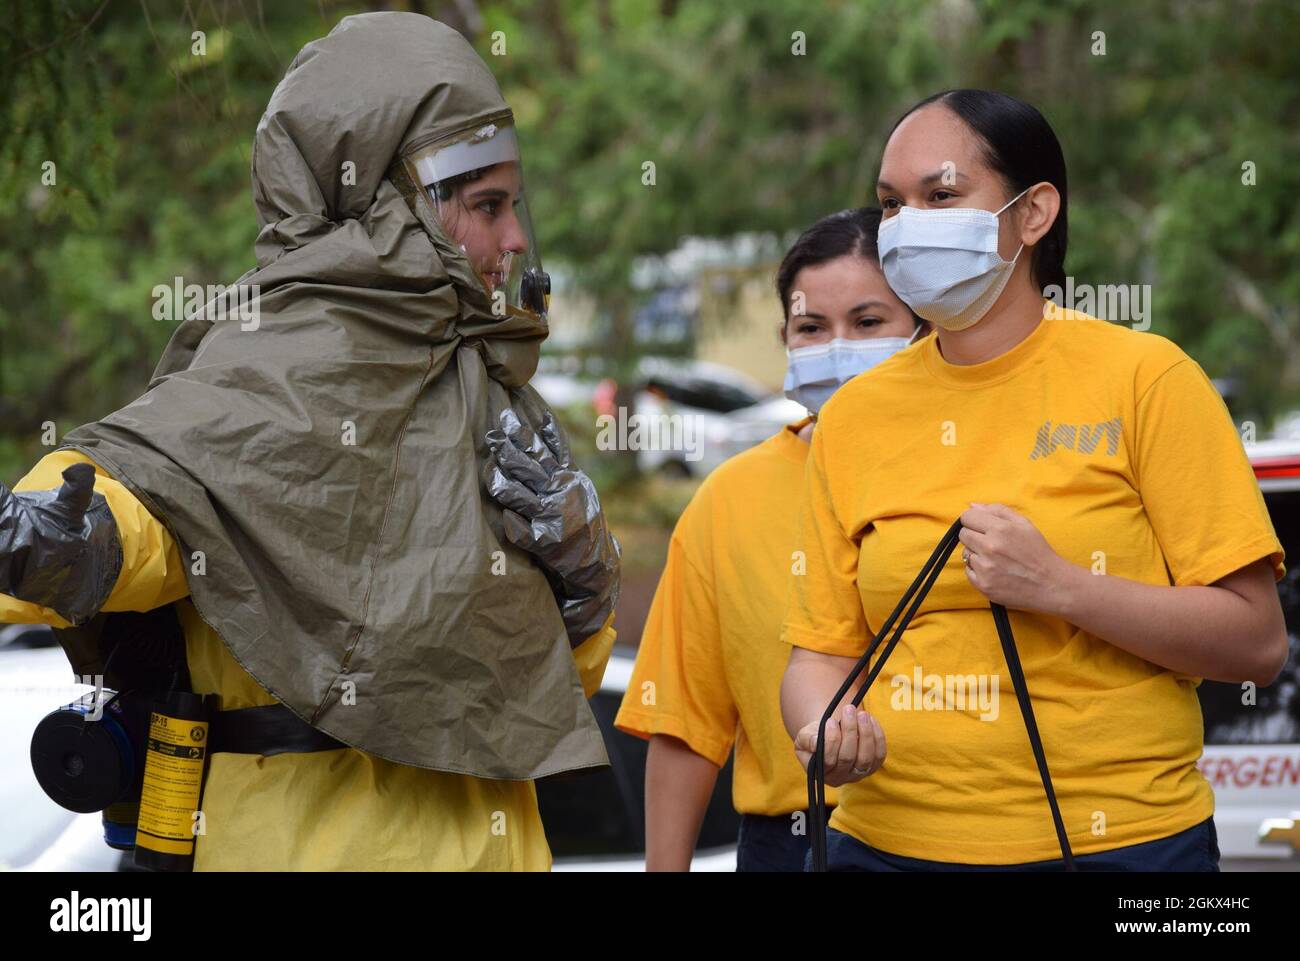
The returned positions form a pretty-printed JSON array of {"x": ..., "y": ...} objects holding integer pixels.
[
  {"x": 923, "y": 582},
  {"x": 1012, "y": 657}
]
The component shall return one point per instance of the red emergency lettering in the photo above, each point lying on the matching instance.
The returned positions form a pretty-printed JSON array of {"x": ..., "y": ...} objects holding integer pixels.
[
  {"x": 1276, "y": 770},
  {"x": 1225, "y": 766},
  {"x": 1291, "y": 766},
  {"x": 1270, "y": 768},
  {"x": 1246, "y": 768}
]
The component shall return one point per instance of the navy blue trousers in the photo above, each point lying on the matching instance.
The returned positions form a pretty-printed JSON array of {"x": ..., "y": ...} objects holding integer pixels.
[
  {"x": 1196, "y": 849},
  {"x": 770, "y": 844}
]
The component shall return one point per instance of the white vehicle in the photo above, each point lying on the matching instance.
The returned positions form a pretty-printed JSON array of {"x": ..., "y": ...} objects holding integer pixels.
[
  {"x": 35, "y": 833},
  {"x": 695, "y": 414},
  {"x": 1252, "y": 744},
  {"x": 726, "y": 413}
]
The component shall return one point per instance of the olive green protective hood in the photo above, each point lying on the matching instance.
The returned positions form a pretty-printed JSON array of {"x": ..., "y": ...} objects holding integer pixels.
[{"x": 320, "y": 465}]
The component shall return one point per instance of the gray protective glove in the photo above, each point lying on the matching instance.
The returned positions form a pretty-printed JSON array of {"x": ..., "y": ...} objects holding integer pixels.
[
  {"x": 552, "y": 512},
  {"x": 59, "y": 548}
]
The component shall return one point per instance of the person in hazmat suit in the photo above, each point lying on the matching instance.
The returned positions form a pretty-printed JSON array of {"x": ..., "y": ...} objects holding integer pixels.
[{"x": 344, "y": 517}]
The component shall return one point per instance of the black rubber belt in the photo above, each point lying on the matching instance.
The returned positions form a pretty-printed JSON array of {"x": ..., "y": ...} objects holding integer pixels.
[
  {"x": 269, "y": 730},
  {"x": 929, "y": 574}
]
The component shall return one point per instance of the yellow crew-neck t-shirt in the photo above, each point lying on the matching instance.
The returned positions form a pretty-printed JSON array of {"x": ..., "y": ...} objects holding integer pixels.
[
  {"x": 709, "y": 666},
  {"x": 1117, "y": 447}
]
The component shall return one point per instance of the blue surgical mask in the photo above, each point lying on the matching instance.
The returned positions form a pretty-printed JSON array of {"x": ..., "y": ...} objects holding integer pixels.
[
  {"x": 944, "y": 263},
  {"x": 817, "y": 371}
]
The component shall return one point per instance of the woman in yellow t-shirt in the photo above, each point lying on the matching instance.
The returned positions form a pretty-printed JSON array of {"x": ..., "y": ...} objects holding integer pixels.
[
  {"x": 1106, "y": 501},
  {"x": 710, "y": 660}
]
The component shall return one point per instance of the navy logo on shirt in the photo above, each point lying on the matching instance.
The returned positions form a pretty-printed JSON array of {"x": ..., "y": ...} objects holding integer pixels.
[{"x": 1085, "y": 438}]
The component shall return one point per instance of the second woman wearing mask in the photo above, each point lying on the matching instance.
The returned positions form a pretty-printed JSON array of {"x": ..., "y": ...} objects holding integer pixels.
[{"x": 708, "y": 672}]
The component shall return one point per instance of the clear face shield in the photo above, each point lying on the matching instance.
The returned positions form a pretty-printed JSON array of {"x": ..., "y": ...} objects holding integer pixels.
[{"x": 476, "y": 186}]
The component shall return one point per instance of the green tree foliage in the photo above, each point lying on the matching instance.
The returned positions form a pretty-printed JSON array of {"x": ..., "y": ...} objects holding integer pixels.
[
  {"x": 757, "y": 115},
  {"x": 150, "y": 143}
]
